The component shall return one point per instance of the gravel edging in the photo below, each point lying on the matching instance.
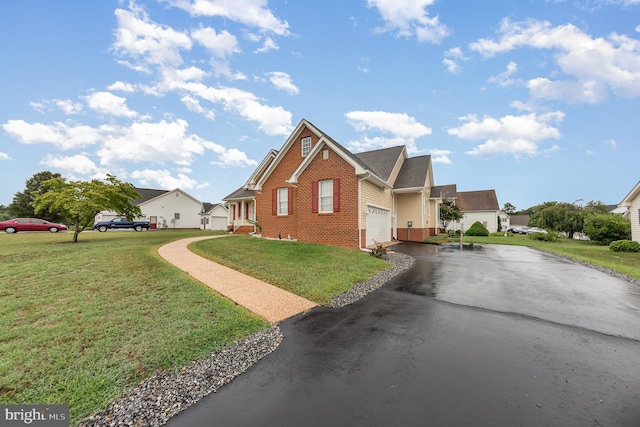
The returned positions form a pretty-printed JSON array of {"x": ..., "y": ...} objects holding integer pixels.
[
  {"x": 401, "y": 262},
  {"x": 164, "y": 395},
  {"x": 155, "y": 400}
]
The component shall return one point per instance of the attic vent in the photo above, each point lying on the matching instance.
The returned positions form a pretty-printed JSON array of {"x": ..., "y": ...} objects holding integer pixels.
[
  {"x": 177, "y": 194},
  {"x": 325, "y": 154}
]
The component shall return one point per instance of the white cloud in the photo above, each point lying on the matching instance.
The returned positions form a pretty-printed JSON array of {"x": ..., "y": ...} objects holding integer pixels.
[
  {"x": 271, "y": 120},
  {"x": 221, "y": 45},
  {"x": 399, "y": 124},
  {"x": 441, "y": 156},
  {"x": 516, "y": 135},
  {"x": 68, "y": 107},
  {"x": 163, "y": 179},
  {"x": 77, "y": 164},
  {"x": 109, "y": 104},
  {"x": 452, "y": 59},
  {"x": 592, "y": 67},
  {"x": 504, "y": 79},
  {"x": 410, "y": 18},
  {"x": 268, "y": 45},
  {"x": 612, "y": 143},
  {"x": 122, "y": 87},
  {"x": 4, "y": 156},
  {"x": 283, "y": 82},
  {"x": 252, "y": 13},
  {"x": 403, "y": 128},
  {"x": 193, "y": 105},
  {"x": 146, "y": 42},
  {"x": 234, "y": 157},
  {"x": 59, "y": 134}
]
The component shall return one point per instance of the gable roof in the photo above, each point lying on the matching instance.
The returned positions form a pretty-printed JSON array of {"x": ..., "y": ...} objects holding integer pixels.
[
  {"x": 482, "y": 200},
  {"x": 160, "y": 193},
  {"x": 382, "y": 161},
  {"x": 635, "y": 191},
  {"x": 413, "y": 173},
  {"x": 148, "y": 194},
  {"x": 240, "y": 193},
  {"x": 444, "y": 192}
]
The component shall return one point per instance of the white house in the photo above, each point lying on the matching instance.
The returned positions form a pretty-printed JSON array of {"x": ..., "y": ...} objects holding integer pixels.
[
  {"x": 165, "y": 209},
  {"x": 632, "y": 203},
  {"x": 214, "y": 216},
  {"x": 479, "y": 206}
]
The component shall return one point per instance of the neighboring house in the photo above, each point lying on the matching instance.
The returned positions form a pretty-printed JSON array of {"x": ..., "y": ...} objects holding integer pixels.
[
  {"x": 479, "y": 206},
  {"x": 165, "y": 209},
  {"x": 214, "y": 216},
  {"x": 315, "y": 190},
  {"x": 519, "y": 220},
  {"x": 632, "y": 203}
]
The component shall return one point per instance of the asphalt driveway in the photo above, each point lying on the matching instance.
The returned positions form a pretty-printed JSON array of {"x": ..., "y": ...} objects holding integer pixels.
[{"x": 495, "y": 336}]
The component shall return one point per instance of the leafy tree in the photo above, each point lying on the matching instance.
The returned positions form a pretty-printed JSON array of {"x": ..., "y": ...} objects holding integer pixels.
[
  {"x": 605, "y": 228},
  {"x": 509, "y": 208},
  {"x": 4, "y": 213},
  {"x": 449, "y": 212},
  {"x": 22, "y": 204},
  {"x": 596, "y": 207},
  {"x": 80, "y": 201},
  {"x": 565, "y": 217}
]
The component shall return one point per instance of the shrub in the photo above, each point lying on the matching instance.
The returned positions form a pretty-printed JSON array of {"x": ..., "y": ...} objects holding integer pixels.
[
  {"x": 624, "y": 246},
  {"x": 378, "y": 251},
  {"x": 477, "y": 229},
  {"x": 606, "y": 228},
  {"x": 545, "y": 237}
]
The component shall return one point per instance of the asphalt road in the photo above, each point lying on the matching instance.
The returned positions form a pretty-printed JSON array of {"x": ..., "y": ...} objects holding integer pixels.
[{"x": 498, "y": 336}]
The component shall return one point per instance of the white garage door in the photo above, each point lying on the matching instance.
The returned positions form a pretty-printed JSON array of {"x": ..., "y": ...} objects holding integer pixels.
[{"x": 378, "y": 225}]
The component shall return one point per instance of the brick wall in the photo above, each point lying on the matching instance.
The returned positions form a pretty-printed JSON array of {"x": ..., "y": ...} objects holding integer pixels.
[
  {"x": 338, "y": 228},
  {"x": 417, "y": 234}
]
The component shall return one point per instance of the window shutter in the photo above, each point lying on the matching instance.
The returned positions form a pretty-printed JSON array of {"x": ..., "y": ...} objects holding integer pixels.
[
  {"x": 336, "y": 195},
  {"x": 314, "y": 197},
  {"x": 290, "y": 200},
  {"x": 274, "y": 201}
]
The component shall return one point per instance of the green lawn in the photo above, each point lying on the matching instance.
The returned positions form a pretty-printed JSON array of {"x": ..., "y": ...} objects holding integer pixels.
[
  {"x": 316, "y": 272},
  {"x": 623, "y": 262},
  {"x": 81, "y": 323}
]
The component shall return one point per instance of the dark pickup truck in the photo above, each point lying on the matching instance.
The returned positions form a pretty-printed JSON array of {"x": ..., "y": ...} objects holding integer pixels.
[{"x": 120, "y": 223}]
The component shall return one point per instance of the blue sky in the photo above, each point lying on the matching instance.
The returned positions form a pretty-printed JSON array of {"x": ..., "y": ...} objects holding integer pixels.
[{"x": 539, "y": 100}]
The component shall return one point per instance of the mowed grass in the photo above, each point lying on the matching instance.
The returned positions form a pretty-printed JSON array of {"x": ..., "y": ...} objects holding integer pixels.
[
  {"x": 82, "y": 323},
  {"x": 624, "y": 262},
  {"x": 316, "y": 272}
]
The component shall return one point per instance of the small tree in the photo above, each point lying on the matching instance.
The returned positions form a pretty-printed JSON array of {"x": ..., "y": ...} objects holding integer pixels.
[
  {"x": 605, "y": 228},
  {"x": 509, "y": 208},
  {"x": 449, "y": 212},
  {"x": 80, "y": 201}
]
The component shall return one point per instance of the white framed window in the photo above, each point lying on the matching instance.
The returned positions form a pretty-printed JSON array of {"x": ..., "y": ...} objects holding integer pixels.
[
  {"x": 325, "y": 195},
  {"x": 306, "y": 146},
  {"x": 283, "y": 201}
]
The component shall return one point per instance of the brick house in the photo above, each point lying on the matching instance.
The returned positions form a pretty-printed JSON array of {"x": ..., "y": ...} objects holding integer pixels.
[{"x": 315, "y": 190}]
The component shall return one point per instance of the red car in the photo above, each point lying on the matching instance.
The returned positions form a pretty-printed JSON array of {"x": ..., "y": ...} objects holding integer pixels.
[{"x": 30, "y": 224}]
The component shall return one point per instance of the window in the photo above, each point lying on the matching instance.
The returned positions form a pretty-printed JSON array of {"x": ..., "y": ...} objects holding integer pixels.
[
  {"x": 176, "y": 215},
  {"x": 326, "y": 195},
  {"x": 306, "y": 146},
  {"x": 283, "y": 201}
]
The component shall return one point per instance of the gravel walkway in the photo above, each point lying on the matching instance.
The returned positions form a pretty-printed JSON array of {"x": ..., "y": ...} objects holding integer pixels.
[{"x": 154, "y": 401}]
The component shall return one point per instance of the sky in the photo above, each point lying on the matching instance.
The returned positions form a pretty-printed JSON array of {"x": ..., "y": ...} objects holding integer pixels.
[{"x": 539, "y": 100}]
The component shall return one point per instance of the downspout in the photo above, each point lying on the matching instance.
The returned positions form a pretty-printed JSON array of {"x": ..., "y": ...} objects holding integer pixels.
[{"x": 360, "y": 213}]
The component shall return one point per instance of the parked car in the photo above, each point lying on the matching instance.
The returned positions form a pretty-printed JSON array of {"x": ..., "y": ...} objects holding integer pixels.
[
  {"x": 120, "y": 223},
  {"x": 516, "y": 229},
  {"x": 532, "y": 230},
  {"x": 30, "y": 224}
]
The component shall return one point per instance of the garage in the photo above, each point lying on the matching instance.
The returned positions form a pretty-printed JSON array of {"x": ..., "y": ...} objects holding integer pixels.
[{"x": 378, "y": 225}]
